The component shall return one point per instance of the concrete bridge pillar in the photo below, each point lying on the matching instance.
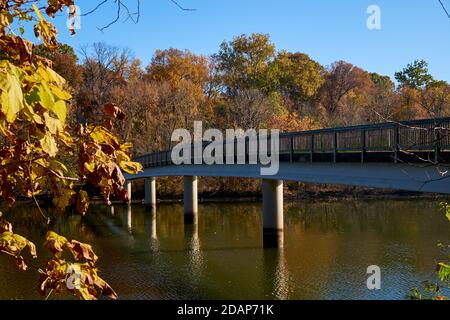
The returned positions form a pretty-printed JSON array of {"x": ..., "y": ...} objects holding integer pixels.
[
  {"x": 273, "y": 222},
  {"x": 128, "y": 188},
  {"x": 150, "y": 194},
  {"x": 190, "y": 200}
]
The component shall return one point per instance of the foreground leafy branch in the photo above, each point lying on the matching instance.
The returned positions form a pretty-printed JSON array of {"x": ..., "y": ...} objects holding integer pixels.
[
  {"x": 79, "y": 278},
  {"x": 37, "y": 148},
  {"x": 433, "y": 291},
  {"x": 13, "y": 244}
]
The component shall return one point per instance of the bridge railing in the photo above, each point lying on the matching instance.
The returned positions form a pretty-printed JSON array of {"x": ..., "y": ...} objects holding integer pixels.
[{"x": 407, "y": 141}]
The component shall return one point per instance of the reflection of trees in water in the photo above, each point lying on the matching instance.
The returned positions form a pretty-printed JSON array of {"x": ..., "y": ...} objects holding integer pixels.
[
  {"x": 232, "y": 222},
  {"x": 409, "y": 219},
  {"x": 378, "y": 231}
]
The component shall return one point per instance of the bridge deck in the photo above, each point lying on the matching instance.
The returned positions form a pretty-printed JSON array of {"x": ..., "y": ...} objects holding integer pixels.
[{"x": 425, "y": 141}]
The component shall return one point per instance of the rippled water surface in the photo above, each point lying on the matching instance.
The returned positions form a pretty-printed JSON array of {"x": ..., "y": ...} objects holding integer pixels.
[{"x": 328, "y": 247}]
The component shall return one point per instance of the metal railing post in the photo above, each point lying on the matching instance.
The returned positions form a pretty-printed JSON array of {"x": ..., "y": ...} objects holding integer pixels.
[
  {"x": 363, "y": 144},
  {"x": 335, "y": 146},
  {"x": 396, "y": 144},
  {"x": 291, "y": 153},
  {"x": 437, "y": 145}
]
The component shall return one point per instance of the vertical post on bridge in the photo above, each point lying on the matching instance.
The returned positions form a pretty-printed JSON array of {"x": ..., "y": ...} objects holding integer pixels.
[
  {"x": 396, "y": 144},
  {"x": 363, "y": 145},
  {"x": 335, "y": 146},
  {"x": 437, "y": 145},
  {"x": 273, "y": 222},
  {"x": 150, "y": 194},
  {"x": 128, "y": 188},
  {"x": 190, "y": 200}
]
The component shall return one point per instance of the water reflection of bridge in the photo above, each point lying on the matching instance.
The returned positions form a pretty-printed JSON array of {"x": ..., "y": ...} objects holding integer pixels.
[
  {"x": 163, "y": 240},
  {"x": 324, "y": 242}
]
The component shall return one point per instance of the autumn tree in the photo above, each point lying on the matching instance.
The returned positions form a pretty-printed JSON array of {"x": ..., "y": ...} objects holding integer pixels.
[
  {"x": 434, "y": 100},
  {"x": 252, "y": 109},
  {"x": 297, "y": 77},
  {"x": 341, "y": 79},
  {"x": 104, "y": 67},
  {"x": 180, "y": 80},
  {"x": 384, "y": 100},
  {"x": 422, "y": 95}
]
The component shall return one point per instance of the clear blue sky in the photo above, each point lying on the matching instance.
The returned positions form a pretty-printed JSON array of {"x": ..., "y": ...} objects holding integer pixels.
[{"x": 327, "y": 30}]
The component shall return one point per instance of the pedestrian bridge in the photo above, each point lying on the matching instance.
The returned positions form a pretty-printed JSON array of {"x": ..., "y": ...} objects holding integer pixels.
[{"x": 411, "y": 156}]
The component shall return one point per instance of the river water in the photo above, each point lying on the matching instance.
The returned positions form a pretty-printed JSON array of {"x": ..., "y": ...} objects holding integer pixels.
[{"x": 328, "y": 247}]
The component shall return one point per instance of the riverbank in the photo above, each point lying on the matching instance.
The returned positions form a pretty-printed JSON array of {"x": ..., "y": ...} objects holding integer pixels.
[{"x": 321, "y": 196}]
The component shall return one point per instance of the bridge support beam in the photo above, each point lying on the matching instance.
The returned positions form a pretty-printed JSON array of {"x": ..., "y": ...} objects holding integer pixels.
[
  {"x": 273, "y": 222},
  {"x": 150, "y": 194},
  {"x": 190, "y": 200},
  {"x": 128, "y": 188}
]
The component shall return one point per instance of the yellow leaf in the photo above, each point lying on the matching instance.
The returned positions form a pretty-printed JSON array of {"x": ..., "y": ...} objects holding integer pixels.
[
  {"x": 58, "y": 167},
  {"x": 45, "y": 96},
  {"x": 46, "y": 99},
  {"x": 11, "y": 97},
  {"x": 131, "y": 167},
  {"x": 121, "y": 156},
  {"x": 51, "y": 76},
  {"x": 54, "y": 242},
  {"x": 90, "y": 166},
  {"x": 64, "y": 199},
  {"x": 102, "y": 135},
  {"x": 60, "y": 94},
  {"x": 53, "y": 125},
  {"x": 48, "y": 145},
  {"x": 60, "y": 109}
]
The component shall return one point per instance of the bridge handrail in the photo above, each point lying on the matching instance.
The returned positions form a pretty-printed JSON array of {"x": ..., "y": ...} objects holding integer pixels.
[{"x": 394, "y": 137}]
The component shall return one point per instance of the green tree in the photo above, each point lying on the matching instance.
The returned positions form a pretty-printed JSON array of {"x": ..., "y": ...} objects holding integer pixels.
[
  {"x": 382, "y": 82},
  {"x": 297, "y": 77},
  {"x": 415, "y": 75},
  {"x": 64, "y": 49},
  {"x": 64, "y": 61},
  {"x": 243, "y": 63}
]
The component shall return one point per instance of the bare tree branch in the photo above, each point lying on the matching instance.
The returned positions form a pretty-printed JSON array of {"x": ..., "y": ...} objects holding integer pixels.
[
  {"x": 182, "y": 8},
  {"x": 95, "y": 9},
  {"x": 445, "y": 9},
  {"x": 122, "y": 7}
]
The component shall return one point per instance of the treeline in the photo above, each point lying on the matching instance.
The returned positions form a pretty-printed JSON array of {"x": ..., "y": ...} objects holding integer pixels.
[{"x": 246, "y": 84}]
